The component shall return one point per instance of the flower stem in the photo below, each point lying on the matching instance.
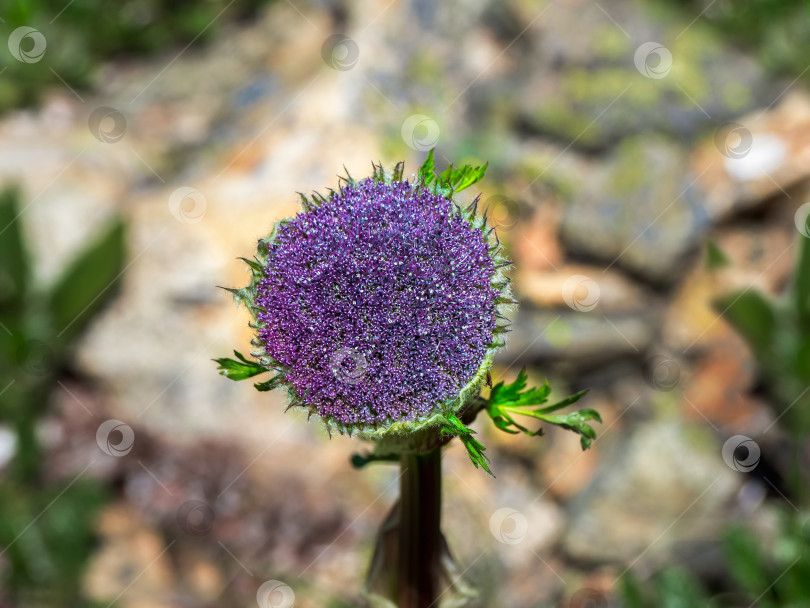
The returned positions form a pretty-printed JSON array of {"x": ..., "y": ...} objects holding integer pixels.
[{"x": 420, "y": 530}]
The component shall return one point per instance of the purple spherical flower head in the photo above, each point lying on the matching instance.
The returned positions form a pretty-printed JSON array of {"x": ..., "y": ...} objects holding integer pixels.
[
  {"x": 379, "y": 302},
  {"x": 377, "y": 306}
]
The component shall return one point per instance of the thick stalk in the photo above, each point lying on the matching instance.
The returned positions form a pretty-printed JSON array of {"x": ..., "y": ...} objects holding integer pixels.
[{"x": 420, "y": 530}]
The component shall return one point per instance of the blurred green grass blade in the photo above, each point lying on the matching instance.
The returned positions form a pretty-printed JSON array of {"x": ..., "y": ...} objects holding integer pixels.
[
  {"x": 13, "y": 255},
  {"x": 678, "y": 588},
  {"x": 801, "y": 279},
  {"x": 87, "y": 283},
  {"x": 752, "y": 315},
  {"x": 715, "y": 256},
  {"x": 745, "y": 560},
  {"x": 631, "y": 592}
]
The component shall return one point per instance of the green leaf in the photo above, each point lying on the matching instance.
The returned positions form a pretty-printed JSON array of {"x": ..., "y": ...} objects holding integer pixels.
[
  {"x": 678, "y": 588},
  {"x": 241, "y": 369},
  {"x": 745, "y": 560},
  {"x": 575, "y": 421},
  {"x": 475, "y": 449},
  {"x": 632, "y": 592},
  {"x": 801, "y": 279},
  {"x": 468, "y": 176},
  {"x": 87, "y": 284},
  {"x": 508, "y": 399},
  {"x": 715, "y": 256},
  {"x": 451, "y": 179},
  {"x": 566, "y": 402},
  {"x": 514, "y": 394},
  {"x": 752, "y": 315},
  {"x": 14, "y": 261},
  {"x": 272, "y": 383},
  {"x": 427, "y": 172}
]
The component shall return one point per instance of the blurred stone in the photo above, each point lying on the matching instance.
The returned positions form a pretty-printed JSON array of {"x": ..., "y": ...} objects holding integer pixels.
[
  {"x": 585, "y": 338},
  {"x": 534, "y": 243},
  {"x": 131, "y": 552},
  {"x": 757, "y": 156},
  {"x": 597, "y": 83},
  {"x": 640, "y": 211},
  {"x": 565, "y": 469},
  {"x": 550, "y": 288},
  {"x": 719, "y": 390},
  {"x": 758, "y": 256},
  {"x": 666, "y": 485}
]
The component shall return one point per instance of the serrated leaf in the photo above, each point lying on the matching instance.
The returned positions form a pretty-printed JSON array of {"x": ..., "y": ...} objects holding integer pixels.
[
  {"x": 239, "y": 370},
  {"x": 475, "y": 449},
  {"x": 427, "y": 172},
  {"x": 87, "y": 284},
  {"x": 513, "y": 394},
  {"x": 469, "y": 175},
  {"x": 451, "y": 180},
  {"x": 508, "y": 399},
  {"x": 445, "y": 176},
  {"x": 575, "y": 421}
]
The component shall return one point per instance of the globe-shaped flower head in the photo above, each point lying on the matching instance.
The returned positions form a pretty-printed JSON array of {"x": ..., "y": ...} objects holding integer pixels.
[{"x": 378, "y": 306}]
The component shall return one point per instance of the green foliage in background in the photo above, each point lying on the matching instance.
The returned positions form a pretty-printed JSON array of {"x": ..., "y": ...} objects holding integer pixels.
[
  {"x": 45, "y": 527},
  {"x": 766, "y": 575},
  {"x": 778, "y": 332},
  {"x": 777, "y": 31},
  {"x": 82, "y": 34}
]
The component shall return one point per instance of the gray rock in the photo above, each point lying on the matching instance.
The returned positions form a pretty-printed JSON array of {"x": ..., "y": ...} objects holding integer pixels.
[
  {"x": 663, "y": 485},
  {"x": 615, "y": 69},
  {"x": 641, "y": 211}
]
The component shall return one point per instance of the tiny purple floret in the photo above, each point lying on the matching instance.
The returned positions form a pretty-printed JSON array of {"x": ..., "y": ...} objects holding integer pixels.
[{"x": 378, "y": 303}]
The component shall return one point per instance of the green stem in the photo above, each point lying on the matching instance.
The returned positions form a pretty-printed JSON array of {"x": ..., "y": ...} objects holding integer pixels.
[{"x": 420, "y": 530}]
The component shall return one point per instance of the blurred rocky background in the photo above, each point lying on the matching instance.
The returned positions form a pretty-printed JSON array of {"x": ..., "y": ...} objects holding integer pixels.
[{"x": 647, "y": 158}]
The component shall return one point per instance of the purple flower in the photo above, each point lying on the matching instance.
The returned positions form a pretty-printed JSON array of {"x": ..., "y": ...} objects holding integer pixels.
[{"x": 378, "y": 304}]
